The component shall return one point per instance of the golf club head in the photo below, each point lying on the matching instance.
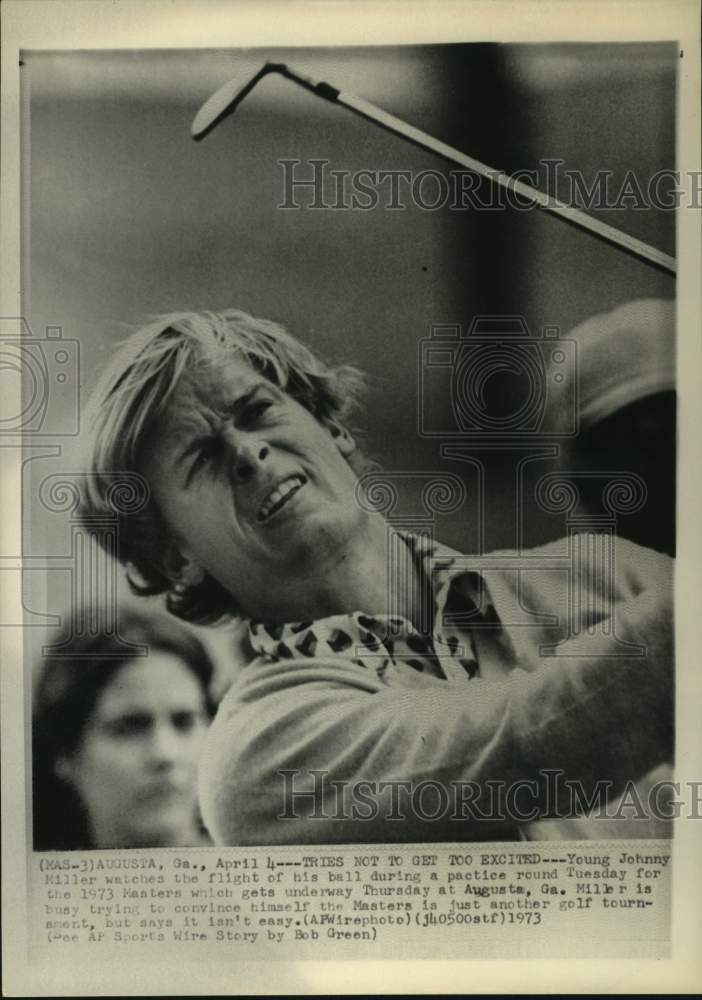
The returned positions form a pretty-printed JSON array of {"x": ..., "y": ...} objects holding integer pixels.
[{"x": 226, "y": 100}]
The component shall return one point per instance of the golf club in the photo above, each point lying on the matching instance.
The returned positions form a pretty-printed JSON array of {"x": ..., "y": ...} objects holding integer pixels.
[{"x": 225, "y": 101}]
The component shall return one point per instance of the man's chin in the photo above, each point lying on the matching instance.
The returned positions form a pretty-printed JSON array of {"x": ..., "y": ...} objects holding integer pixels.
[{"x": 318, "y": 539}]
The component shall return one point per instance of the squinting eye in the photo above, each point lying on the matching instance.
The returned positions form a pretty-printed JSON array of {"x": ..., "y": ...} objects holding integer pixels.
[
  {"x": 201, "y": 459},
  {"x": 204, "y": 455},
  {"x": 254, "y": 411}
]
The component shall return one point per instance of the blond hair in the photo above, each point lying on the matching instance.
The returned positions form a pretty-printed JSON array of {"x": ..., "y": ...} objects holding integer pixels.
[{"x": 133, "y": 393}]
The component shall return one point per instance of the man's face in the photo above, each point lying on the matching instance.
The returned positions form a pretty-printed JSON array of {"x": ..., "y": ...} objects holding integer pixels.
[{"x": 255, "y": 490}]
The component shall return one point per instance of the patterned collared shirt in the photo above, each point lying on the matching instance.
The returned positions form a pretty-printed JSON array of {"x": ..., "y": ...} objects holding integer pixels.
[
  {"x": 381, "y": 643},
  {"x": 469, "y": 695}
]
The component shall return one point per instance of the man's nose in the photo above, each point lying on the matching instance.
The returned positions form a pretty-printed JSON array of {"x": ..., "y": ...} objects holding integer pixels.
[{"x": 246, "y": 453}]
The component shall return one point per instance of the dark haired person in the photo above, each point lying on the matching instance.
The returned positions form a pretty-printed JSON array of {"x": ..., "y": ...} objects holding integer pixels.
[{"x": 117, "y": 737}]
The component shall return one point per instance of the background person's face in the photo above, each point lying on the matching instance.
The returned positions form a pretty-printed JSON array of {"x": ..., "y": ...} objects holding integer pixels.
[
  {"x": 135, "y": 766},
  {"x": 256, "y": 491}
]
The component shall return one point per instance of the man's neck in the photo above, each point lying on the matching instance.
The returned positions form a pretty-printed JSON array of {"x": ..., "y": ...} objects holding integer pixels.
[{"x": 374, "y": 573}]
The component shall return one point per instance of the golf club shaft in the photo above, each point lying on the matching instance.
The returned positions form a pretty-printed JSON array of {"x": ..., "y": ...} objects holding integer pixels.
[
  {"x": 228, "y": 97},
  {"x": 566, "y": 212}
]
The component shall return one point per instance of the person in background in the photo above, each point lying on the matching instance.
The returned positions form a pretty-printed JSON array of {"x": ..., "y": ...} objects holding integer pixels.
[{"x": 117, "y": 736}]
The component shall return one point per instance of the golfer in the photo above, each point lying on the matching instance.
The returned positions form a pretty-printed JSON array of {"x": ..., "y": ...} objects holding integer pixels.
[{"x": 384, "y": 687}]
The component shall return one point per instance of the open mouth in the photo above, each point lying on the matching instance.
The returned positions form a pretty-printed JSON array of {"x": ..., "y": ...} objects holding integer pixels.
[{"x": 279, "y": 496}]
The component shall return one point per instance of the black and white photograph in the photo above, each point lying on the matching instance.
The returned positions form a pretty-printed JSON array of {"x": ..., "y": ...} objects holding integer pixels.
[{"x": 348, "y": 384}]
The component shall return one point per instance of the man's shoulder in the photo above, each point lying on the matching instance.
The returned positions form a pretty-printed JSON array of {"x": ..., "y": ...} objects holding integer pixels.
[
  {"x": 263, "y": 678},
  {"x": 562, "y": 546}
]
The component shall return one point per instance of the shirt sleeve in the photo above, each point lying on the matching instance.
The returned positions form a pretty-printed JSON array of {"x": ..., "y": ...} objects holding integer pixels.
[
  {"x": 316, "y": 751},
  {"x": 321, "y": 751}
]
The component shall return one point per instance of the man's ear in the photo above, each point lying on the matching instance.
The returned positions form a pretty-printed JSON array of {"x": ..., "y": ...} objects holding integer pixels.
[
  {"x": 342, "y": 436},
  {"x": 181, "y": 567}
]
